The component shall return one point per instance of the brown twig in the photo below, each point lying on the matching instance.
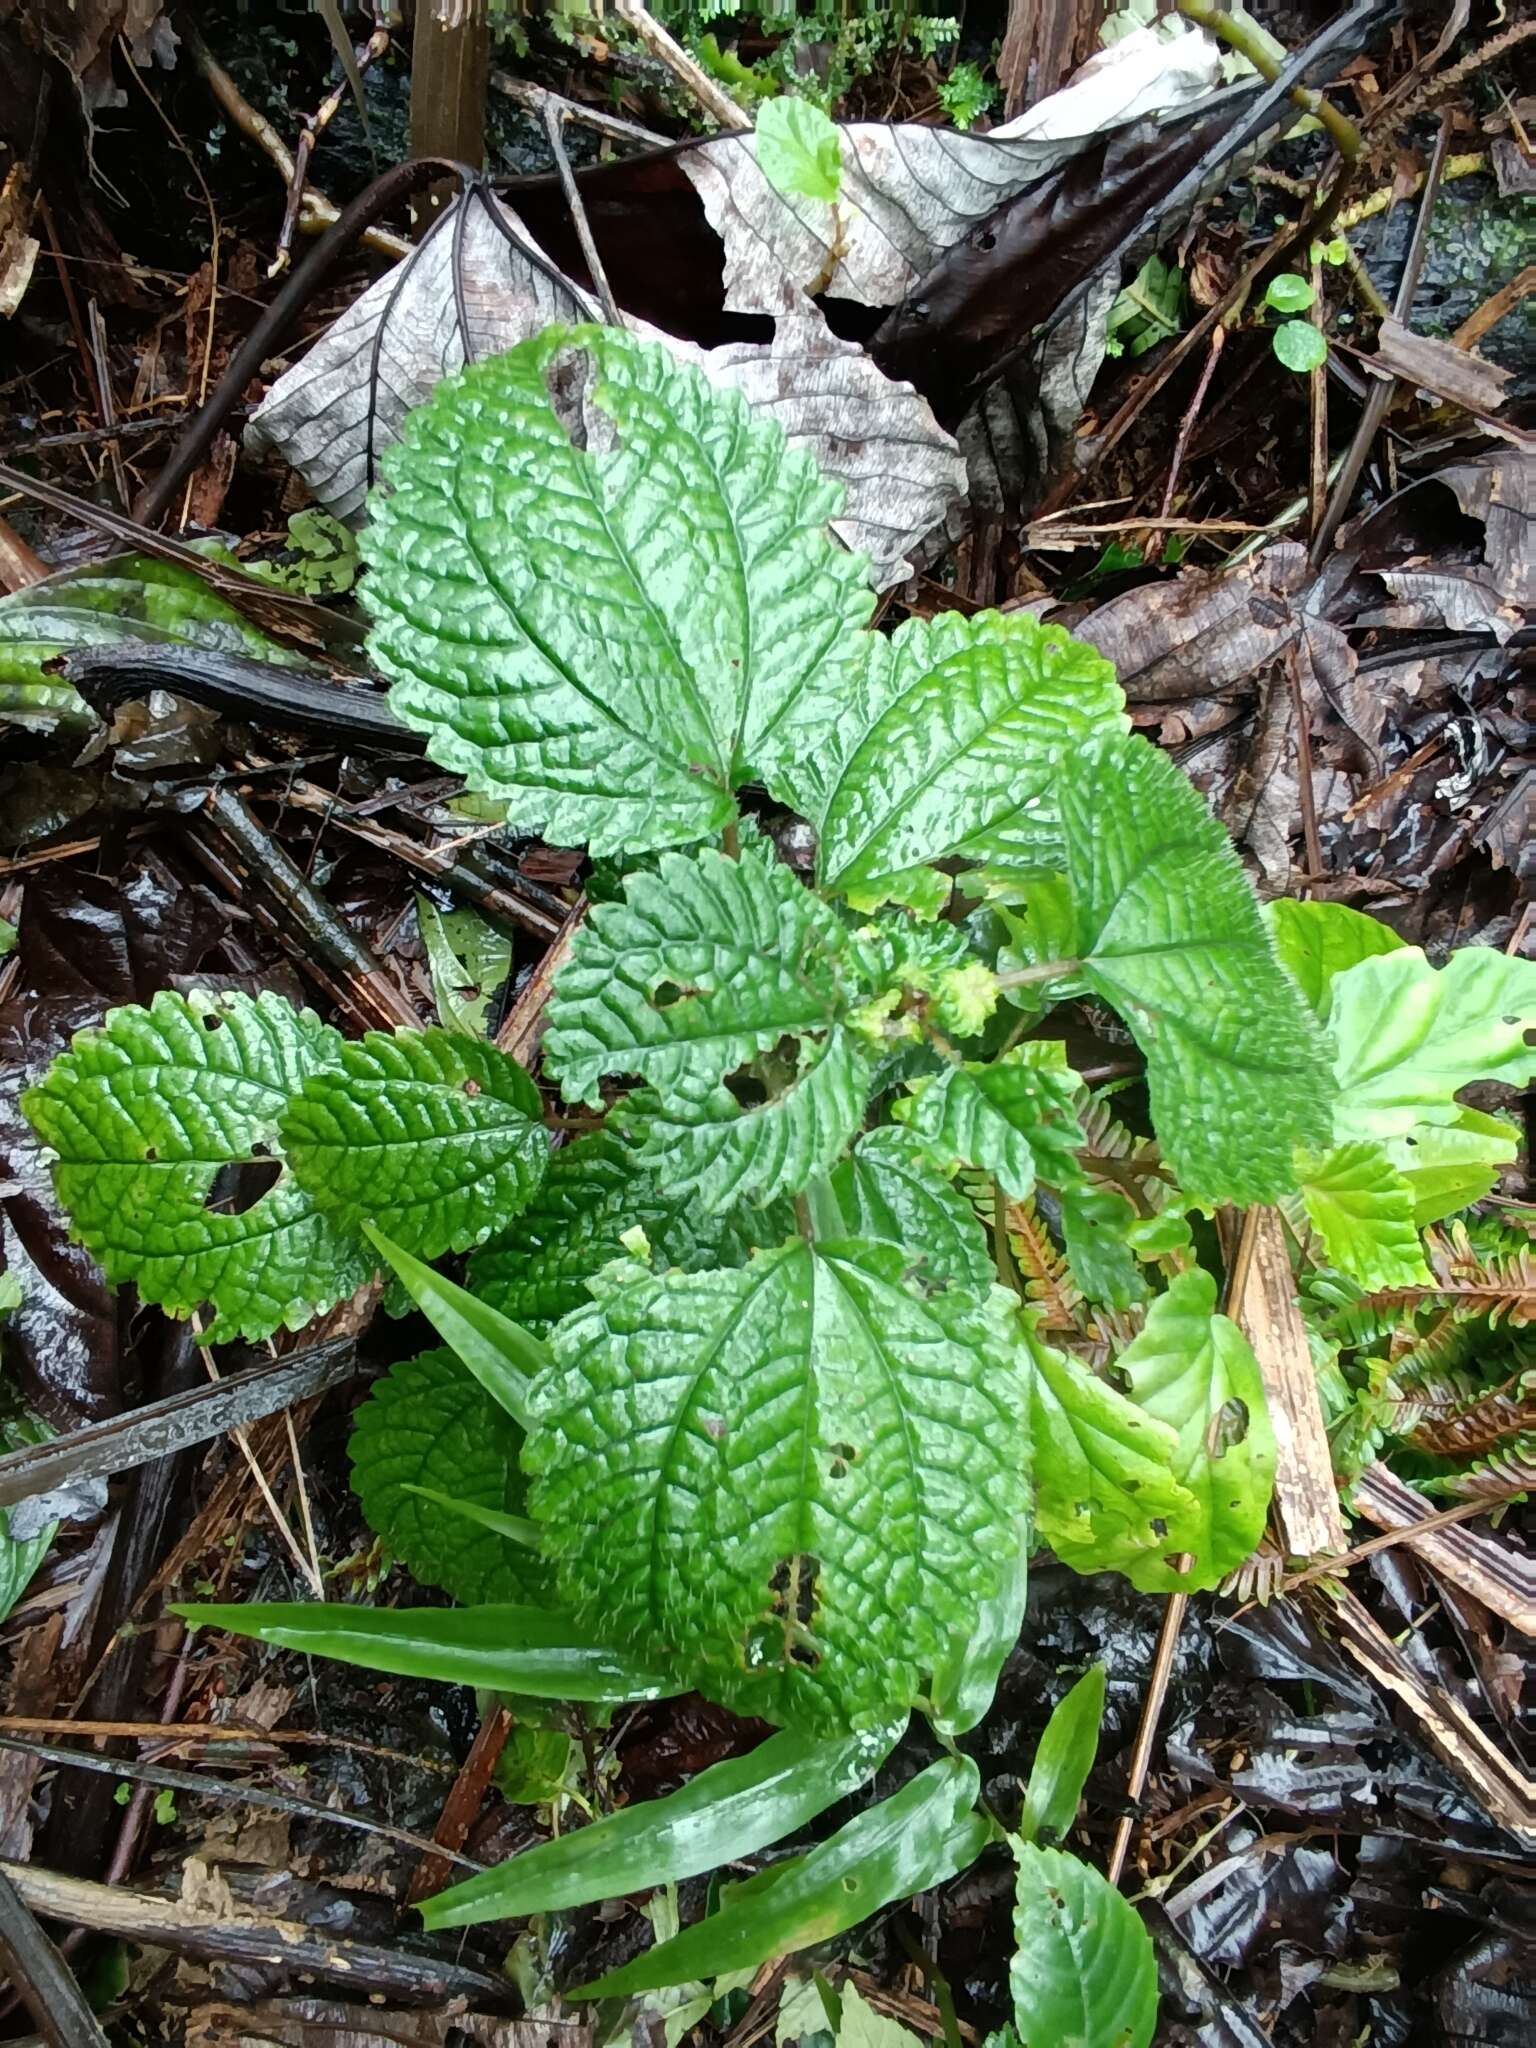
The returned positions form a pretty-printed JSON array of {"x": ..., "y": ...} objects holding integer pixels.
[
  {"x": 1495, "y": 309},
  {"x": 1146, "y": 1732},
  {"x": 537, "y": 97},
  {"x": 1305, "y": 789},
  {"x": 554, "y": 125},
  {"x": 202, "y": 1785},
  {"x": 524, "y": 1022},
  {"x": 316, "y": 212},
  {"x": 66, "y": 286},
  {"x": 314, "y": 128},
  {"x": 279, "y": 318},
  {"x": 460, "y": 1807},
  {"x": 1187, "y": 424},
  {"x": 1381, "y": 394},
  {"x": 106, "y": 400},
  {"x": 713, "y": 98}
]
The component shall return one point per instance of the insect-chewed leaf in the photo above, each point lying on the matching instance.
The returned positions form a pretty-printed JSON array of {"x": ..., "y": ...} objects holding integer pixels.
[
  {"x": 595, "y": 1192},
  {"x": 436, "y": 1136},
  {"x": 610, "y": 635},
  {"x": 1009, "y": 1117},
  {"x": 1362, "y": 1209},
  {"x": 1193, "y": 1371},
  {"x": 948, "y": 747},
  {"x": 1083, "y": 1970},
  {"x": 889, "y": 1189},
  {"x": 145, "y": 1112},
  {"x": 1105, "y": 1487},
  {"x": 706, "y": 963},
  {"x": 428, "y": 1423},
  {"x": 1170, "y": 935},
  {"x": 795, "y": 1479},
  {"x": 706, "y": 1141},
  {"x": 1409, "y": 1035}
]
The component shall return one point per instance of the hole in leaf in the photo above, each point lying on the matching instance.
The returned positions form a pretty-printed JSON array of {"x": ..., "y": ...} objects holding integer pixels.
[
  {"x": 842, "y": 1456},
  {"x": 1227, "y": 1427},
  {"x": 238, "y": 1188},
  {"x": 747, "y": 1089},
  {"x": 794, "y": 1603},
  {"x": 151, "y": 1154},
  {"x": 212, "y": 1023},
  {"x": 850, "y": 1884},
  {"x": 670, "y": 993}
]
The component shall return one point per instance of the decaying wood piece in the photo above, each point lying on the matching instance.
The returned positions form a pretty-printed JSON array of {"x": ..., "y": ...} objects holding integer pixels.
[
  {"x": 225, "y": 1935},
  {"x": 1494, "y": 1780},
  {"x": 105, "y": 1449},
  {"x": 1441, "y": 367},
  {"x": 35, "y": 1967},
  {"x": 1264, "y": 1305},
  {"x": 1501, "y": 1577}
]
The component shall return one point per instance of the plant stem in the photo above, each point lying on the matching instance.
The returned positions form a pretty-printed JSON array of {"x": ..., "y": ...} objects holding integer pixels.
[
  {"x": 1043, "y": 970},
  {"x": 730, "y": 841},
  {"x": 1247, "y": 40}
]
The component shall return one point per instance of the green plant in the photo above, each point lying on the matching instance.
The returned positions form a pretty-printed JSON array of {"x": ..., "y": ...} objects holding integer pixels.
[{"x": 752, "y": 1385}]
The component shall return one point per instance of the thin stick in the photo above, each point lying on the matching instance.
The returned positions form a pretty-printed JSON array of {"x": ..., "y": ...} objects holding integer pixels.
[
  {"x": 303, "y": 1492},
  {"x": 711, "y": 97},
  {"x": 537, "y": 97},
  {"x": 20, "y": 567},
  {"x": 66, "y": 286},
  {"x": 1304, "y": 787},
  {"x": 314, "y": 128},
  {"x": 554, "y": 123},
  {"x": 106, "y": 400},
  {"x": 177, "y": 1734},
  {"x": 263, "y": 1487},
  {"x": 200, "y": 1785},
  {"x": 1187, "y": 424},
  {"x": 1381, "y": 394},
  {"x": 1146, "y": 1733}
]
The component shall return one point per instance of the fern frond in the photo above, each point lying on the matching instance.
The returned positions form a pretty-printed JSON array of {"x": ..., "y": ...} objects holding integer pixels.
[
  {"x": 1048, "y": 1282},
  {"x": 1491, "y": 1478}
]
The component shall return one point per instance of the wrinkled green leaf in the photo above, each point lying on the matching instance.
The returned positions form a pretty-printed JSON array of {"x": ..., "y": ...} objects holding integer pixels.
[
  {"x": 889, "y": 1189},
  {"x": 728, "y": 1811},
  {"x": 144, "y": 1113},
  {"x": 507, "y": 1649},
  {"x": 469, "y": 958},
  {"x": 436, "y": 1136},
  {"x": 1063, "y": 1759},
  {"x": 708, "y": 1144},
  {"x": 1083, "y": 1973},
  {"x": 1012, "y": 1118},
  {"x": 1170, "y": 935},
  {"x": 1362, "y": 1209},
  {"x": 594, "y": 1193},
  {"x": 611, "y": 637},
  {"x": 848, "y": 1454},
  {"x": 1316, "y": 941},
  {"x": 1094, "y": 1226},
  {"x": 921, "y": 1836},
  {"x": 428, "y": 1423},
  {"x": 106, "y": 604},
  {"x": 1408, "y": 1036},
  {"x": 798, "y": 151},
  {"x": 1193, "y": 1371},
  {"x": 948, "y": 747},
  {"x": 706, "y": 963},
  {"x": 1105, "y": 1486},
  {"x": 500, "y": 1354}
]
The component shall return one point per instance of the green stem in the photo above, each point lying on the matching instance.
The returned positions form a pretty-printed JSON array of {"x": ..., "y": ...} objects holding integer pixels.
[
  {"x": 1249, "y": 40},
  {"x": 1043, "y": 970}
]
